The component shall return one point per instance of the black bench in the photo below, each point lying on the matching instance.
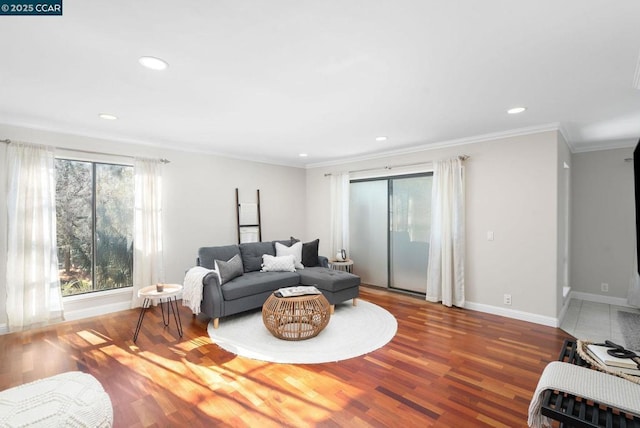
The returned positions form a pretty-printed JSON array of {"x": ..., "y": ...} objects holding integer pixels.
[{"x": 573, "y": 411}]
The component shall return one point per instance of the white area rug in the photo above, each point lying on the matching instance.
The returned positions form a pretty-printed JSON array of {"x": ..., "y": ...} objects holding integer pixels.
[{"x": 352, "y": 331}]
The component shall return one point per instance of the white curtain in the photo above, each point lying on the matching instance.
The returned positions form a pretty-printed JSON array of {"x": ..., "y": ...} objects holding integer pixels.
[
  {"x": 445, "y": 271},
  {"x": 148, "y": 266},
  {"x": 339, "y": 238},
  {"x": 34, "y": 297}
]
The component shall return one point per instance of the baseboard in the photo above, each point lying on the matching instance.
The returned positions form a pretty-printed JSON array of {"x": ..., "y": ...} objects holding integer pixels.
[
  {"x": 563, "y": 310},
  {"x": 92, "y": 305},
  {"x": 85, "y": 313},
  {"x": 599, "y": 298},
  {"x": 96, "y": 310},
  {"x": 513, "y": 313}
]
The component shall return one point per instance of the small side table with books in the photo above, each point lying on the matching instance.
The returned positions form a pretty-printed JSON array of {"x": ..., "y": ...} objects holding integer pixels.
[{"x": 344, "y": 265}]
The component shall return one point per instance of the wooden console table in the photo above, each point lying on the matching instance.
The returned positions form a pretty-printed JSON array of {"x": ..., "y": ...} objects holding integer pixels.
[{"x": 574, "y": 411}]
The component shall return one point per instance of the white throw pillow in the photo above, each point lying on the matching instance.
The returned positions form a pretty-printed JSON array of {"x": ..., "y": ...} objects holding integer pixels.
[
  {"x": 278, "y": 264},
  {"x": 295, "y": 250}
]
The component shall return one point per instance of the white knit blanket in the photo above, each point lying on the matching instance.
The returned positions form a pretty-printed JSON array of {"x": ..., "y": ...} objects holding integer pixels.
[
  {"x": 604, "y": 388},
  {"x": 192, "y": 288}
]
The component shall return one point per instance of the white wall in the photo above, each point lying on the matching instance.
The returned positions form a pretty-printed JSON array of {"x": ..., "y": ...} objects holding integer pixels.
[
  {"x": 563, "y": 276},
  {"x": 512, "y": 190},
  {"x": 602, "y": 226},
  {"x": 199, "y": 201},
  {"x": 200, "y": 204}
]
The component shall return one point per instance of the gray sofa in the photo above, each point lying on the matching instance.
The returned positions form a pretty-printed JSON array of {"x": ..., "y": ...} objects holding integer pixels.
[{"x": 251, "y": 289}]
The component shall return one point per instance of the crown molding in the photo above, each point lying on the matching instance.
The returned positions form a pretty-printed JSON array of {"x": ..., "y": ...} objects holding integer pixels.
[
  {"x": 442, "y": 144},
  {"x": 605, "y": 145},
  {"x": 565, "y": 135},
  {"x": 148, "y": 143}
]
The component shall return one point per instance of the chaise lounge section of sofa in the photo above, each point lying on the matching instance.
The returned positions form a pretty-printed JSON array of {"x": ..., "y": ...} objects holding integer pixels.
[{"x": 252, "y": 288}]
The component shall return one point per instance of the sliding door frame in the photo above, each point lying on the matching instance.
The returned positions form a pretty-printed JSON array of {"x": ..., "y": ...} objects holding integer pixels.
[{"x": 389, "y": 179}]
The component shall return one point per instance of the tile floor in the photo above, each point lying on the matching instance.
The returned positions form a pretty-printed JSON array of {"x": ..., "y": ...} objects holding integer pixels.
[{"x": 594, "y": 321}]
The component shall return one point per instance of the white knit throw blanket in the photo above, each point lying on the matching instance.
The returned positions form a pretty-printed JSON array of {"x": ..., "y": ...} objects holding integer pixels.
[
  {"x": 192, "y": 288},
  {"x": 604, "y": 388}
]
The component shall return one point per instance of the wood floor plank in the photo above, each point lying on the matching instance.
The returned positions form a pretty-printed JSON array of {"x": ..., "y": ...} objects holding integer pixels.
[{"x": 446, "y": 367}]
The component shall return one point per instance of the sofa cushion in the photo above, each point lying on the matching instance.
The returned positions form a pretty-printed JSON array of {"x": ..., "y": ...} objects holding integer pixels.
[
  {"x": 328, "y": 279},
  {"x": 278, "y": 264},
  {"x": 229, "y": 269},
  {"x": 294, "y": 250},
  {"x": 208, "y": 255},
  {"x": 258, "y": 282},
  {"x": 252, "y": 254}
]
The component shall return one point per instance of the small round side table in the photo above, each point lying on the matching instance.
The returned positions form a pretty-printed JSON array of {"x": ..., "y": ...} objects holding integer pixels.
[
  {"x": 346, "y": 265},
  {"x": 296, "y": 318},
  {"x": 151, "y": 293}
]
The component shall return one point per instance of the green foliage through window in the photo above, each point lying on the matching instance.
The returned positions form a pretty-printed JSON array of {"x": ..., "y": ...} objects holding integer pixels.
[{"x": 94, "y": 210}]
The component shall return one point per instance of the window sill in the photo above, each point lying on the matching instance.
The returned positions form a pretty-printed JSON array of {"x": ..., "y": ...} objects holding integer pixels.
[{"x": 96, "y": 295}]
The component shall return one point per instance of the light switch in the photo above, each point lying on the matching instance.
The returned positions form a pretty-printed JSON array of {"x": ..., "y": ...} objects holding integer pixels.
[{"x": 490, "y": 235}]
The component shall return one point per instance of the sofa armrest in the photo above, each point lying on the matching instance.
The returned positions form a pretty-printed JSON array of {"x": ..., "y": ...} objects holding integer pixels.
[
  {"x": 211, "y": 279},
  {"x": 212, "y": 299},
  {"x": 323, "y": 261}
]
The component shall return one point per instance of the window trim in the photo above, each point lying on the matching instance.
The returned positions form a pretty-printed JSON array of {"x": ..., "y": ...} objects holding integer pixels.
[{"x": 389, "y": 180}]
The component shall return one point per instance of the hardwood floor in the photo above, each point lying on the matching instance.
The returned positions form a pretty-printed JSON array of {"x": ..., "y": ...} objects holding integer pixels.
[{"x": 445, "y": 367}]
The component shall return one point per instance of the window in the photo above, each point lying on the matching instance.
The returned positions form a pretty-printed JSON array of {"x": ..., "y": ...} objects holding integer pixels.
[{"x": 94, "y": 220}]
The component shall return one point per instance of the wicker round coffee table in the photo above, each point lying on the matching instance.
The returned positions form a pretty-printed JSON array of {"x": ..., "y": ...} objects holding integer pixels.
[{"x": 296, "y": 318}]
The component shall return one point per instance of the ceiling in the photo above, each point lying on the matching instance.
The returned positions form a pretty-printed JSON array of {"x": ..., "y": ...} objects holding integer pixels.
[{"x": 268, "y": 80}]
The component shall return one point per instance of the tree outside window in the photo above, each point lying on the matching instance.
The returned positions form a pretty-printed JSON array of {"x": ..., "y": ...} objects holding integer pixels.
[{"x": 94, "y": 214}]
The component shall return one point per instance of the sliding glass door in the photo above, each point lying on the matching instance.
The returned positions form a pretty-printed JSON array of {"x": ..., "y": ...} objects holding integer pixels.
[
  {"x": 389, "y": 227},
  {"x": 410, "y": 226},
  {"x": 368, "y": 225}
]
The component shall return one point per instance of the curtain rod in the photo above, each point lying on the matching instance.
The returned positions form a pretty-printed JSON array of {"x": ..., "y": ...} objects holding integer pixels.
[
  {"x": 91, "y": 152},
  {"x": 461, "y": 157}
]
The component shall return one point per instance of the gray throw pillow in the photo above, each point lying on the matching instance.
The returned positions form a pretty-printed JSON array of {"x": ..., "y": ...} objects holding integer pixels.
[{"x": 229, "y": 270}]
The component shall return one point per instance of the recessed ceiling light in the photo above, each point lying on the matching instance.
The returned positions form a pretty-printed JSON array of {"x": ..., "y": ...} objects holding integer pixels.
[
  {"x": 516, "y": 110},
  {"x": 382, "y": 138},
  {"x": 303, "y": 155},
  {"x": 107, "y": 116},
  {"x": 153, "y": 63}
]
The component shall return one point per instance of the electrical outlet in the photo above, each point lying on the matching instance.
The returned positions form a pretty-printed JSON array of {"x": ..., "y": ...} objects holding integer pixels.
[
  {"x": 507, "y": 299},
  {"x": 604, "y": 287}
]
